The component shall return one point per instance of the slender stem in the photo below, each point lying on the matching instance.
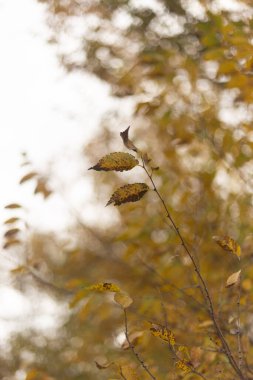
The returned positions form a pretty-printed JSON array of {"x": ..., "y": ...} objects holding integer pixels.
[
  {"x": 202, "y": 282},
  {"x": 134, "y": 351},
  {"x": 239, "y": 334}
]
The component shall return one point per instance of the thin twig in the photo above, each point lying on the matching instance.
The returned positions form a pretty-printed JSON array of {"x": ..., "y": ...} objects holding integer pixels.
[
  {"x": 133, "y": 349},
  {"x": 202, "y": 282},
  {"x": 239, "y": 333}
]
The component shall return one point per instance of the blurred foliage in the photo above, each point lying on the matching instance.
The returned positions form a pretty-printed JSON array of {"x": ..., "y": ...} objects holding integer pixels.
[{"x": 187, "y": 66}]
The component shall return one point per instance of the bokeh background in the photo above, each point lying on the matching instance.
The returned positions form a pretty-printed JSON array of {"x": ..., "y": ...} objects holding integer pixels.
[{"x": 73, "y": 75}]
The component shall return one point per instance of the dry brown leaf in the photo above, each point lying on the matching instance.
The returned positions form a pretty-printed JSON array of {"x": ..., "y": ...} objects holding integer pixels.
[
  {"x": 123, "y": 299},
  {"x": 233, "y": 279},
  {"x": 128, "y": 193},
  {"x": 127, "y": 142},
  {"x": 117, "y": 161}
]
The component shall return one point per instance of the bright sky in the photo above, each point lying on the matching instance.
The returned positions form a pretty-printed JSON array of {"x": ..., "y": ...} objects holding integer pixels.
[{"x": 49, "y": 115}]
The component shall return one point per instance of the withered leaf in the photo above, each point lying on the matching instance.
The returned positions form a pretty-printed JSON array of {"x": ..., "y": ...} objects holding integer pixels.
[
  {"x": 233, "y": 279},
  {"x": 128, "y": 193},
  {"x": 10, "y": 243},
  {"x": 104, "y": 365},
  {"x": 123, "y": 299},
  {"x": 11, "y": 220},
  {"x": 118, "y": 161},
  {"x": 27, "y": 177},
  {"x": 228, "y": 244},
  {"x": 11, "y": 232},
  {"x": 13, "y": 205},
  {"x": 42, "y": 188},
  {"x": 128, "y": 143}
]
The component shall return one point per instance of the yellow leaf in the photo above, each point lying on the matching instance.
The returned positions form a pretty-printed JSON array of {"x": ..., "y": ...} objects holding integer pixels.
[
  {"x": 104, "y": 287},
  {"x": 228, "y": 244},
  {"x": 123, "y": 299},
  {"x": 233, "y": 279},
  {"x": 128, "y": 372},
  {"x": 118, "y": 161},
  {"x": 181, "y": 364},
  {"x": 164, "y": 334},
  {"x": 128, "y": 193}
]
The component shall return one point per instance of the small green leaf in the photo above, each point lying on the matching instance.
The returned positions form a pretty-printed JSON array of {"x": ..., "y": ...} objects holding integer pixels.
[
  {"x": 118, "y": 161},
  {"x": 128, "y": 193}
]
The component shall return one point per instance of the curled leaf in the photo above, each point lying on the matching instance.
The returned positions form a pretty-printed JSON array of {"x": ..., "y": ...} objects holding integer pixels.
[
  {"x": 123, "y": 299},
  {"x": 128, "y": 193},
  {"x": 228, "y": 244},
  {"x": 103, "y": 365},
  {"x": 127, "y": 142},
  {"x": 27, "y": 177},
  {"x": 233, "y": 279},
  {"x": 118, "y": 161}
]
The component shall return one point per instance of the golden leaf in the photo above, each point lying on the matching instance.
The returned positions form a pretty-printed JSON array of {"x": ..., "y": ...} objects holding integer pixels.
[
  {"x": 181, "y": 364},
  {"x": 118, "y": 161},
  {"x": 128, "y": 193},
  {"x": 104, "y": 287},
  {"x": 233, "y": 279},
  {"x": 228, "y": 244},
  {"x": 123, "y": 299},
  {"x": 164, "y": 334},
  {"x": 128, "y": 372},
  {"x": 128, "y": 143}
]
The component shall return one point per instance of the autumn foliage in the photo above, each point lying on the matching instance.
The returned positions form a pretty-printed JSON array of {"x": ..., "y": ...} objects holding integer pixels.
[{"x": 163, "y": 289}]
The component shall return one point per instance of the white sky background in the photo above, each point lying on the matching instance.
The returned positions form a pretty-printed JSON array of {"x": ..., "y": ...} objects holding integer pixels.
[{"x": 49, "y": 115}]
